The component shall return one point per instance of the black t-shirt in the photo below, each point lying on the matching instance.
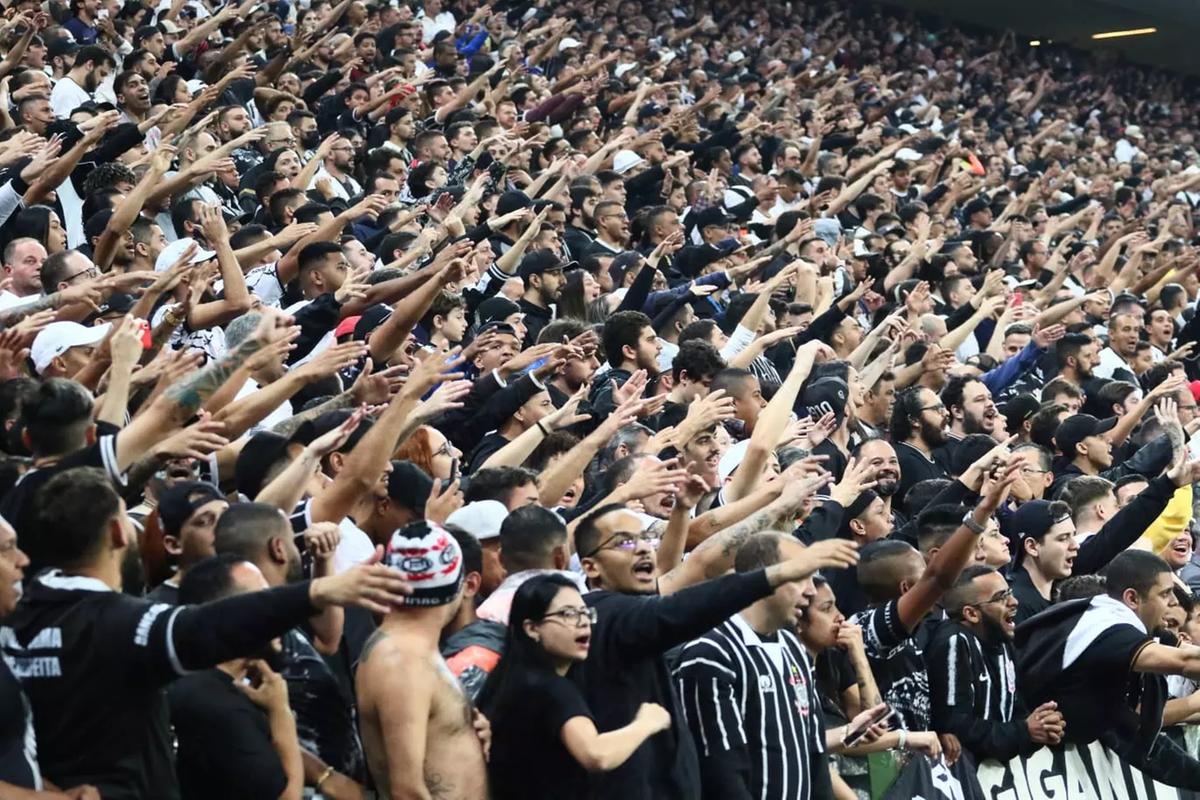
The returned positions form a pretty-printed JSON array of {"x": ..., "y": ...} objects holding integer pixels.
[
  {"x": 835, "y": 459},
  {"x": 834, "y": 674},
  {"x": 18, "y": 751},
  {"x": 92, "y": 664},
  {"x": 915, "y": 467},
  {"x": 898, "y": 663},
  {"x": 488, "y": 445},
  {"x": 325, "y": 719},
  {"x": 1103, "y": 691},
  {"x": 17, "y": 504},
  {"x": 529, "y": 760},
  {"x": 224, "y": 741}
]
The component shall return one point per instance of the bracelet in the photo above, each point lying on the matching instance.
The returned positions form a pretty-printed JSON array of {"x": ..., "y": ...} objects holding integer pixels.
[
  {"x": 173, "y": 319},
  {"x": 542, "y": 428},
  {"x": 903, "y": 740},
  {"x": 324, "y": 777},
  {"x": 970, "y": 524}
]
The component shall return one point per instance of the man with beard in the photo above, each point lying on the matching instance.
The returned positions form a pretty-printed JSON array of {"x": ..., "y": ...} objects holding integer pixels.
[
  {"x": 969, "y": 403},
  {"x": 262, "y": 535},
  {"x": 92, "y": 65},
  {"x": 133, "y": 96},
  {"x": 918, "y": 427},
  {"x": 335, "y": 170},
  {"x": 903, "y": 588},
  {"x": 541, "y": 272},
  {"x": 976, "y": 640},
  {"x": 631, "y": 345},
  {"x": 880, "y": 457},
  {"x": 580, "y": 234}
]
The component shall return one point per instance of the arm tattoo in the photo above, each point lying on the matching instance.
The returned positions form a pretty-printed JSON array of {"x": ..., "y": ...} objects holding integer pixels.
[
  {"x": 375, "y": 638},
  {"x": 15, "y": 315},
  {"x": 289, "y": 425},
  {"x": 732, "y": 539},
  {"x": 190, "y": 393}
]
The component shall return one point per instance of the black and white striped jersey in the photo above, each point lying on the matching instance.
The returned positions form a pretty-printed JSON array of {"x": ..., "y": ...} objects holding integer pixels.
[{"x": 752, "y": 707}]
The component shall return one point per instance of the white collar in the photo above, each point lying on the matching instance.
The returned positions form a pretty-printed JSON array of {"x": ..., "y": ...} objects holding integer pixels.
[{"x": 55, "y": 579}]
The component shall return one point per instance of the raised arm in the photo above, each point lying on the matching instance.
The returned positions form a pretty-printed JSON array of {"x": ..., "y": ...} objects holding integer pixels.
[{"x": 948, "y": 562}]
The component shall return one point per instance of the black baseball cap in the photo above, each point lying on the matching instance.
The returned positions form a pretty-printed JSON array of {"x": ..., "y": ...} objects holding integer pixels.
[
  {"x": 496, "y": 308},
  {"x": 181, "y": 501},
  {"x": 511, "y": 201},
  {"x": 540, "y": 261},
  {"x": 1018, "y": 410},
  {"x": 1031, "y": 521},
  {"x": 713, "y": 215},
  {"x": 262, "y": 452},
  {"x": 371, "y": 319},
  {"x": 409, "y": 486},
  {"x": 1073, "y": 430}
]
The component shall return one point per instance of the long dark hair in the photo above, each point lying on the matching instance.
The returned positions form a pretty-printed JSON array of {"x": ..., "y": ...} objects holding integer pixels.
[
  {"x": 33, "y": 223},
  {"x": 572, "y": 302},
  {"x": 522, "y": 655}
]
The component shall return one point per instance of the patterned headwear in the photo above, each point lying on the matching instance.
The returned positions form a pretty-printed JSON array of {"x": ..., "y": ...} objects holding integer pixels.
[{"x": 429, "y": 558}]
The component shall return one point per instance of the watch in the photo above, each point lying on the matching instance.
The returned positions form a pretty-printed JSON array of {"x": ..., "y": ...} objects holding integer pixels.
[{"x": 972, "y": 525}]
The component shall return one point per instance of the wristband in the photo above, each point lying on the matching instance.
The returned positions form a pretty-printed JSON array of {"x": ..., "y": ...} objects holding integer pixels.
[
  {"x": 542, "y": 428},
  {"x": 324, "y": 777},
  {"x": 969, "y": 523},
  {"x": 903, "y": 738}
]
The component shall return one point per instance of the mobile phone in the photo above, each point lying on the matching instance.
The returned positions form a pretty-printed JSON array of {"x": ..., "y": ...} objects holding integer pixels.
[
  {"x": 147, "y": 335},
  {"x": 453, "y": 468},
  {"x": 1017, "y": 299},
  {"x": 853, "y": 734}
]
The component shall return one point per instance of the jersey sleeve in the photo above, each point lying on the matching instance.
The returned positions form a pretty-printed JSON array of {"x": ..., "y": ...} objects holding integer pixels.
[
  {"x": 882, "y": 629},
  {"x": 706, "y": 683}
]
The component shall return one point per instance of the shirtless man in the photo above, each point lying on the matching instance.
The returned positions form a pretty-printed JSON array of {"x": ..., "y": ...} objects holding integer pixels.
[{"x": 421, "y": 736}]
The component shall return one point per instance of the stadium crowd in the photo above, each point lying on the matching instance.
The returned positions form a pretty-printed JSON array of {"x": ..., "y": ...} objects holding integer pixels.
[{"x": 585, "y": 399}]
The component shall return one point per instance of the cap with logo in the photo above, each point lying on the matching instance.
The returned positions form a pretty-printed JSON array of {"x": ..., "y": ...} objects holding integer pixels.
[
  {"x": 540, "y": 261},
  {"x": 59, "y": 337},
  {"x": 427, "y": 556},
  {"x": 181, "y": 501},
  {"x": 175, "y": 250},
  {"x": 1073, "y": 430}
]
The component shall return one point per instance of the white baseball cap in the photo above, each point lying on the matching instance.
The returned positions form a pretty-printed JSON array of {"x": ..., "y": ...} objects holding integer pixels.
[
  {"x": 174, "y": 251},
  {"x": 482, "y": 519},
  {"x": 626, "y": 160},
  {"x": 59, "y": 337}
]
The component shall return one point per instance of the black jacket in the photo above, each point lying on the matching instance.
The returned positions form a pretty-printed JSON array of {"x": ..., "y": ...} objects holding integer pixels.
[
  {"x": 973, "y": 693},
  {"x": 626, "y": 668}
]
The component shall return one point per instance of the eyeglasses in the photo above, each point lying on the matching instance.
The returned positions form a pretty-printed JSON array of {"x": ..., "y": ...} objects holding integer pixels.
[
  {"x": 573, "y": 616},
  {"x": 1033, "y": 471},
  {"x": 90, "y": 272},
  {"x": 444, "y": 450},
  {"x": 626, "y": 541},
  {"x": 938, "y": 407},
  {"x": 999, "y": 598}
]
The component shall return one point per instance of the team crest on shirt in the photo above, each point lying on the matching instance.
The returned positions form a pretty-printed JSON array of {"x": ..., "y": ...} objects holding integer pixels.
[
  {"x": 796, "y": 679},
  {"x": 765, "y": 683},
  {"x": 1010, "y": 675}
]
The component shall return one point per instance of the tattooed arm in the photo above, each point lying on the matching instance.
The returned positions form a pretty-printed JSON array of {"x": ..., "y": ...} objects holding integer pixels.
[
  {"x": 174, "y": 407},
  {"x": 715, "y": 554}
]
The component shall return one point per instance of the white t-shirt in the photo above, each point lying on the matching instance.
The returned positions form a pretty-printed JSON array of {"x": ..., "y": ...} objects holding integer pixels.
[
  {"x": 67, "y": 96},
  {"x": 280, "y": 414},
  {"x": 1110, "y": 362}
]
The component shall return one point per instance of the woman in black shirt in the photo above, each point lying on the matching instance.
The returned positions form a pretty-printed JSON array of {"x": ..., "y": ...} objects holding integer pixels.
[{"x": 544, "y": 740}]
